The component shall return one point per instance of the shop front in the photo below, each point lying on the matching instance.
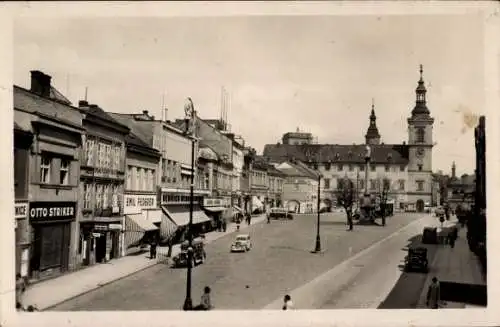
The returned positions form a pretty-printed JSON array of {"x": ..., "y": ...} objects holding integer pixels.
[
  {"x": 219, "y": 209},
  {"x": 22, "y": 238},
  {"x": 142, "y": 221},
  {"x": 101, "y": 240},
  {"x": 51, "y": 236},
  {"x": 180, "y": 216}
]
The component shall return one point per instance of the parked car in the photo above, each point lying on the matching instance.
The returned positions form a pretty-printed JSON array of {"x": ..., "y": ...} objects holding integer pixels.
[
  {"x": 199, "y": 254},
  {"x": 417, "y": 260},
  {"x": 279, "y": 213},
  {"x": 242, "y": 243}
]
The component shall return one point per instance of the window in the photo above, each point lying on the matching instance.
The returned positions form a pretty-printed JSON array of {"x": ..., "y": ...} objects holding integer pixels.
[
  {"x": 327, "y": 183},
  {"x": 207, "y": 179},
  {"x": 105, "y": 196},
  {"x": 419, "y": 167},
  {"x": 87, "y": 196},
  {"x": 402, "y": 168},
  {"x": 361, "y": 184},
  {"x": 140, "y": 179},
  {"x": 362, "y": 168},
  {"x": 115, "y": 196},
  {"x": 117, "y": 157},
  {"x": 387, "y": 184},
  {"x": 387, "y": 168},
  {"x": 89, "y": 151},
  {"x": 341, "y": 167},
  {"x": 351, "y": 168},
  {"x": 129, "y": 178},
  {"x": 328, "y": 166},
  {"x": 420, "y": 185},
  {"x": 64, "y": 172},
  {"x": 99, "y": 196},
  {"x": 45, "y": 169},
  {"x": 372, "y": 167},
  {"x": 401, "y": 184},
  {"x": 420, "y": 135},
  {"x": 373, "y": 184},
  {"x": 296, "y": 186}
]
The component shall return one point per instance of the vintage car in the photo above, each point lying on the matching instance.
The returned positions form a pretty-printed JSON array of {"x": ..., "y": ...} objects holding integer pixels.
[
  {"x": 417, "y": 260},
  {"x": 279, "y": 213},
  {"x": 242, "y": 243},
  {"x": 199, "y": 254}
]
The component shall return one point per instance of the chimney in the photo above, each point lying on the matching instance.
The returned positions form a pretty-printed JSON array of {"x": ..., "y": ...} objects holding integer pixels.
[
  {"x": 145, "y": 112},
  {"x": 404, "y": 142},
  {"x": 40, "y": 83},
  {"x": 83, "y": 104}
]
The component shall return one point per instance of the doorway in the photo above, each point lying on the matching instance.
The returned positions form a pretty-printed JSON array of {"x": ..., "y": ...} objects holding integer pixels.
[
  {"x": 100, "y": 248},
  {"x": 420, "y": 205}
]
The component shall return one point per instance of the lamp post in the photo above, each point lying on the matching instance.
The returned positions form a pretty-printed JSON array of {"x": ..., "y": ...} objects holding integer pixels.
[
  {"x": 317, "y": 247},
  {"x": 190, "y": 116},
  {"x": 366, "y": 202}
]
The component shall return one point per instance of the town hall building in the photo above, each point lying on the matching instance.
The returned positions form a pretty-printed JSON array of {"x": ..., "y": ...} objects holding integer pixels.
[{"x": 407, "y": 167}]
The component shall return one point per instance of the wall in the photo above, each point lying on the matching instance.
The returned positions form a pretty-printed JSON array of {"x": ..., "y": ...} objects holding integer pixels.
[{"x": 220, "y": 143}]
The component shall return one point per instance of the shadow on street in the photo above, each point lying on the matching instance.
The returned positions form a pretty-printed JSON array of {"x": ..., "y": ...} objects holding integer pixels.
[{"x": 406, "y": 293}]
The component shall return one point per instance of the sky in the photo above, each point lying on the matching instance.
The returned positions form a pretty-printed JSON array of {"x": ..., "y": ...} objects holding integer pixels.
[{"x": 315, "y": 73}]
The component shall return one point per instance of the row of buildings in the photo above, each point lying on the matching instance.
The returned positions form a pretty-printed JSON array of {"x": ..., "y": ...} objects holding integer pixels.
[{"x": 92, "y": 185}]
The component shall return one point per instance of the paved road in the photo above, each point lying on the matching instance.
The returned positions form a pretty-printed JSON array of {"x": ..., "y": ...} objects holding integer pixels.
[{"x": 279, "y": 262}]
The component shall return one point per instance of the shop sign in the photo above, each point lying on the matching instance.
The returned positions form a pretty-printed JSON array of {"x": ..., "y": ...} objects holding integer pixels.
[
  {"x": 115, "y": 226},
  {"x": 21, "y": 210},
  {"x": 52, "y": 210},
  {"x": 216, "y": 202},
  {"x": 101, "y": 227},
  {"x": 134, "y": 203}
]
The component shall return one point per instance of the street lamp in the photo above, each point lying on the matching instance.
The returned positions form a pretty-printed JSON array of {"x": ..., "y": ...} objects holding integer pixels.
[
  {"x": 190, "y": 116},
  {"x": 317, "y": 248}
]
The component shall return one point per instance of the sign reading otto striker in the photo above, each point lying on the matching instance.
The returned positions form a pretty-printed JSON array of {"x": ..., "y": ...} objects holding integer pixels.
[{"x": 52, "y": 210}]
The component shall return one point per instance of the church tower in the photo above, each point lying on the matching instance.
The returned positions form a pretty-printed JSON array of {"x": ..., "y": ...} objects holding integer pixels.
[
  {"x": 420, "y": 145},
  {"x": 372, "y": 136}
]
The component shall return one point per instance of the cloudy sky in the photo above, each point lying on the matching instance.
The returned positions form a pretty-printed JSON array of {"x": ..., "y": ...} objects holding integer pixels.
[{"x": 318, "y": 73}]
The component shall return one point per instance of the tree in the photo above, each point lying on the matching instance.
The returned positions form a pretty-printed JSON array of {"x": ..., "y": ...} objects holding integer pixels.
[
  {"x": 384, "y": 187},
  {"x": 346, "y": 198}
]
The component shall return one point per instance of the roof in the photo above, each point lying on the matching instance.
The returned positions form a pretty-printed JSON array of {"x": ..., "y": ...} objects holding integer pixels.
[
  {"x": 335, "y": 153},
  {"x": 98, "y": 112},
  {"x": 58, "y": 96},
  {"x": 135, "y": 128},
  {"x": 297, "y": 169}
]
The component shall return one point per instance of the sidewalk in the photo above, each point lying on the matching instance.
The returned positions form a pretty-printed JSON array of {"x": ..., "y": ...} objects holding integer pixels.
[
  {"x": 456, "y": 265},
  {"x": 49, "y": 293}
]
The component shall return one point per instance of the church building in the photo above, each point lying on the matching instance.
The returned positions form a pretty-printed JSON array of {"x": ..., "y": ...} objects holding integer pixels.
[{"x": 407, "y": 167}]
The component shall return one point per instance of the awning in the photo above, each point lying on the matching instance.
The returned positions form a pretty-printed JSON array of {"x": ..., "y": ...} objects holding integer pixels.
[
  {"x": 136, "y": 227},
  {"x": 215, "y": 209},
  {"x": 137, "y": 222},
  {"x": 182, "y": 218},
  {"x": 152, "y": 215},
  {"x": 167, "y": 227}
]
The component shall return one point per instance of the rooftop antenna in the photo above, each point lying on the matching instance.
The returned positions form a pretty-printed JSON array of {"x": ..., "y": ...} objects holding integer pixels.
[{"x": 163, "y": 118}]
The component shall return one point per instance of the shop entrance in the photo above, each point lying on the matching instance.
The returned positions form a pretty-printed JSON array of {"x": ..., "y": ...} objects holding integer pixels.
[{"x": 100, "y": 248}]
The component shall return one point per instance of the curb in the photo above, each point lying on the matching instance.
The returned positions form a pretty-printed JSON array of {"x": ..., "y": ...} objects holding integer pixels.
[{"x": 48, "y": 308}]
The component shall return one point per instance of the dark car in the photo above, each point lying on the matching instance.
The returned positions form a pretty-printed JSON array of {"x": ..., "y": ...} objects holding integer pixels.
[
  {"x": 430, "y": 235},
  {"x": 279, "y": 213},
  {"x": 199, "y": 254},
  {"x": 416, "y": 260}
]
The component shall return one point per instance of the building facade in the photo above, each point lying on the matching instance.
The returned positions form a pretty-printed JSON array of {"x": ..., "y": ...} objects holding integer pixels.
[
  {"x": 407, "y": 166},
  {"x": 102, "y": 181},
  {"x": 23, "y": 140},
  {"x": 300, "y": 188},
  {"x": 54, "y": 168},
  {"x": 142, "y": 214}
]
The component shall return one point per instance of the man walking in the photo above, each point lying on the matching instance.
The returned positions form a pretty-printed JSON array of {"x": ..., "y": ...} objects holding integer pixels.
[
  {"x": 206, "y": 303},
  {"x": 434, "y": 294},
  {"x": 152, "y": 248}
]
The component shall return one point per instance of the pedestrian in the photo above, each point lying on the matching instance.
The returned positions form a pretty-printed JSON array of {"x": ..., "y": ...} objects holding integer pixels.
[
  {"x": 287, "y": 302},
  {"x": 238, "y": 221},
  {"x": 20, "y": 289},
  {"x": 434, "y": 294},
  {"x": 152, "y": 248},
  {"x": 249, "y": 219},
  {"x": 224, "y": 225}
]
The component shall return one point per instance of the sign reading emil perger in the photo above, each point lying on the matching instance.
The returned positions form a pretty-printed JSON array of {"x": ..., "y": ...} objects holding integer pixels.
[
  {"x": 134, "y": 203},
  {"x": 52, "y": 210}
]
